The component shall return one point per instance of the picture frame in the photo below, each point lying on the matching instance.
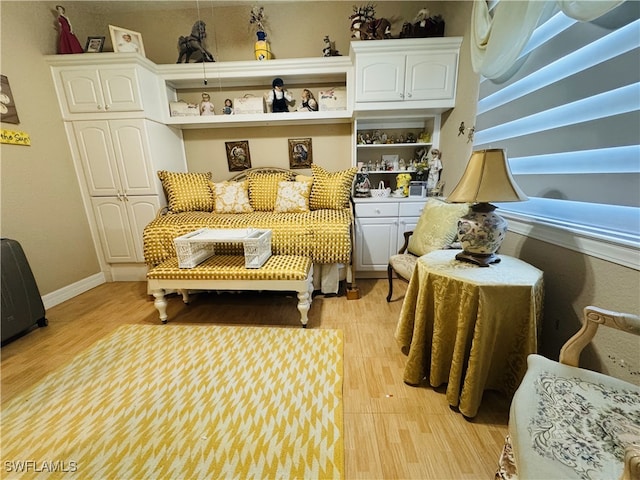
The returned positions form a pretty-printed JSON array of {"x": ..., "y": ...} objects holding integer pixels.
[
  {"x": 238, "y": 155},
  {"x": 8, "y": 111},
  {"x": 300, "y": 153},
  {"x": 126, "y": 41},
  {"x": 94, "y": 45}
]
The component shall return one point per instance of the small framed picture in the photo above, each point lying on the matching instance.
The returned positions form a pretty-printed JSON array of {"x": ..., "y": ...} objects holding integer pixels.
[
  {"x": 126, "y": 41},
  {"x": 300, "y": 154},
  {"x": 94, "y": 44},
  {"x": 238, "y": 156}
]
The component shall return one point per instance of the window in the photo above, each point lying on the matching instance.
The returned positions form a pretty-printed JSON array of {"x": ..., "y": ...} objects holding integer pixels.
[{"x": 569, "y": 121}]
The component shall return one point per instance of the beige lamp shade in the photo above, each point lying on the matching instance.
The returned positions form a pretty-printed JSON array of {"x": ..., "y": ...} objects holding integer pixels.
[{"x": 487, "y": 178}]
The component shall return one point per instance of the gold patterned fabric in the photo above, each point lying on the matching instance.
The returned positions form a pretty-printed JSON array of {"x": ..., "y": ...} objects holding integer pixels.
[
  {"x": 470, "y": 327},
  {"x": 189, "y": 402},
  {"x": 331, "y": 189},
  {"x": 322, "y": 235},
  {"x": 437, "y": 226},
  {"x": 231, "y": 197},
  {"x": 263, "y": 189},
  {"x": 232, "y": 267},
  {"x": 187, "y": 192}
]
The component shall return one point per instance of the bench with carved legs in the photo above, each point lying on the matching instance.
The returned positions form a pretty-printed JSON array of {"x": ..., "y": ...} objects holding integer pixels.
[{"x": 228, "y": 272}]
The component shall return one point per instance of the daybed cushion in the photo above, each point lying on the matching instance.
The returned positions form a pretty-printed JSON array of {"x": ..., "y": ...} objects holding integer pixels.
[
  {"x": 437, "y": 226},
  {"x": 187, "y": 191},
  {"x": 231, "y": 197},
  {"x": 323, "y": 235},
  {"x": 293, "y": 197},
  {"x": 331, "y": 189},
  {"x": 263, "y": 189}
]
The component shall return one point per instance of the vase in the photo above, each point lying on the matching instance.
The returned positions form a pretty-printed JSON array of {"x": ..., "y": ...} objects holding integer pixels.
[{"x": 261, "y": 47}]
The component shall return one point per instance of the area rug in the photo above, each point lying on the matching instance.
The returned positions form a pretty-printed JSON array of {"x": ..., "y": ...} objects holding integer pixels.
[{"x": 185, "y": 402}]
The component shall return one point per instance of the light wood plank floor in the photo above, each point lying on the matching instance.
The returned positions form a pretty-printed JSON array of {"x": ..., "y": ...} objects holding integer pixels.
[{"x": 392, "y": 431}]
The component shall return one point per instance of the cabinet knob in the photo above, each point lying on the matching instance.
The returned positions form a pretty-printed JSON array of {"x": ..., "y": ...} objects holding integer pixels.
[
  {"x": 106, "y": 107},
  {"x": 402, "y": 95},
  {"x": 378, "y": 211},
  {"x": 409, "y": 94},
  {"x": 99, "y": 107}
]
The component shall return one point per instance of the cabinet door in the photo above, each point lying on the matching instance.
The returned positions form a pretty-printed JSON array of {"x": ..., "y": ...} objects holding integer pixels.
[
  {"x": 121, "y": 90},
  {"x": 98, "y": 158},
  {"x": 431, "y": 76},
  {"x": 114, "y": 229},
  {"x": 132, "y": 156},
  {"x": 380, "y": 78},
  {"x": 140, "y": 210},
  {"x": 376, "y": 241},
  {"x": 82, "y": 90}
]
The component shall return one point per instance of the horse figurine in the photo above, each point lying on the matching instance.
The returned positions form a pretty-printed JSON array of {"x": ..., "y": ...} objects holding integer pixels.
[
  {"x": 364, "y": 25},
  {"x": 187, "y": 46}
]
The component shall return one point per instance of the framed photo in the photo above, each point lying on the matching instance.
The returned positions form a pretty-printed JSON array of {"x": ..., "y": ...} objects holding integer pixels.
[
  {"x": 126, "y": 41},
  {"x": 300, "y": 154},
  {"x": 238, "y": 156},
  {"x": 94, "y": 44}
]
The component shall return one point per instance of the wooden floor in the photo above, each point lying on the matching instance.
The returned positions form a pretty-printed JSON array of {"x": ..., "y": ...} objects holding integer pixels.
[{"x": 392, "y": 431}]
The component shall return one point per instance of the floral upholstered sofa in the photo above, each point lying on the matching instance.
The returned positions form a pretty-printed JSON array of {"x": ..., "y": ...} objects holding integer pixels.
[{"x": 308, "y": 215}]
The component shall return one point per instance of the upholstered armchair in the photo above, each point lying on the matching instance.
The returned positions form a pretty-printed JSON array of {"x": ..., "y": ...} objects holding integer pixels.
[
  {"x": 437, "y": 228},
  {"x": 567, "y": 422}
]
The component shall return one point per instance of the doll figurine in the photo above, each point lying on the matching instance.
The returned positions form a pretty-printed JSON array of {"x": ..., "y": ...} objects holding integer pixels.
[
  {"x": 309, "y": 102},
  {"x": 228, "y": 107},
  {"x": 279, "y": 97},
  {"x": 206, "y": 107},
  {"x": 68, "y": 42}
]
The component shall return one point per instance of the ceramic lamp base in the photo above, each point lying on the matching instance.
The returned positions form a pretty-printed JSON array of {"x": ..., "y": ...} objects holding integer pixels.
[{"x": 481, "y": 232}]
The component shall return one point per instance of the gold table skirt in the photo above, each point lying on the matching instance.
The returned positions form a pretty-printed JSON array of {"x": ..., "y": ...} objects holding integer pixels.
[{"x": 470, "y": 327}]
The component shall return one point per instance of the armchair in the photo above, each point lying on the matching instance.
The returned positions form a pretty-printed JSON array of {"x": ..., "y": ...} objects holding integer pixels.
[
  {"x": 436, "y": 229},
  {"x": 566, "y": 422}
]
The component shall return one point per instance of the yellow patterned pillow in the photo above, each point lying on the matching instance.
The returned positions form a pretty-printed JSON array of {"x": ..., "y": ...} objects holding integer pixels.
[
  {"x": 263, "y": 189},
  {"x": 331, "y": 189},
  {"x": 187, "y": 192},
  {"x": 231, "y": 197},
  {"x": 437, "y": 227},
  {"x": 293, "y": 197}
]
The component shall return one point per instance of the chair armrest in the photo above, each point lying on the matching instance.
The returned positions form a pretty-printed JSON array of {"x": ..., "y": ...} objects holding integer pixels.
[
  {"x": 593, "y": 318},
  {"x": 406, "y": 241}
]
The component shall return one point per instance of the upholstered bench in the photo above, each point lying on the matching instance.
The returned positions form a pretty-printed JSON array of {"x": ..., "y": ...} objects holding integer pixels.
[{"x": 228, "y": 272}]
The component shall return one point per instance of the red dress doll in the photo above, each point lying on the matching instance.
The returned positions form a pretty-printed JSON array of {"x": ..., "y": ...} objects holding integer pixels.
[{"x": 68, "y": 41}]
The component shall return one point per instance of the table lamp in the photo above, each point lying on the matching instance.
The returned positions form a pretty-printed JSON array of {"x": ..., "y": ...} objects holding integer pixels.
[{"x": 487, "y": 178}]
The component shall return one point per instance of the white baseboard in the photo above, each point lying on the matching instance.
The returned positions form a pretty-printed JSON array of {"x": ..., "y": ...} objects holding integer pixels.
[{"x": 55, "y": 298}]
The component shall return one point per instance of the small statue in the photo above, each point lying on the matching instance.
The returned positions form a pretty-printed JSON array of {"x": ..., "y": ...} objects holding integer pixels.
[
  {"x": 68, "y": 42},
  {"x": 309, "y": 102},
  {"x": 193, "y": 43},
  {"x": 228, "y": 107},
  {"x": 279, "y": 97},
  {"x": 328, "y": 50},
  {"x": 435, "y": 169},
  {"x": 206, "y": 107}
]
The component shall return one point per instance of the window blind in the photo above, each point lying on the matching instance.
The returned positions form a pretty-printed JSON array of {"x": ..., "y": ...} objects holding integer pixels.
[{"x": 568, "y": 118}]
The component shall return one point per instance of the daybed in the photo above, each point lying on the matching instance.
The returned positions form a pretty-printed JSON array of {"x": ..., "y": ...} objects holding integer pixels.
[{"x": 309, "y": 215}]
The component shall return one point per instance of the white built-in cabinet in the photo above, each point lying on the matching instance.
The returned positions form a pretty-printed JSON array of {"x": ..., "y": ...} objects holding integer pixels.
[
  {"x": 406, "y": 73},
  {"x": 111, "y": 106},
  {"x": 380, "y": 227}
]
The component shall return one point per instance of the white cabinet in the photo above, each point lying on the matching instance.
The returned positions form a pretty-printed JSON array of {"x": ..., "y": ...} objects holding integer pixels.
[
  {"x": 406, "y": 73},
  {"x": 99, "y": 90},
  {"x": 120, "y": 160},
  {"x": 380, "y": 227}
]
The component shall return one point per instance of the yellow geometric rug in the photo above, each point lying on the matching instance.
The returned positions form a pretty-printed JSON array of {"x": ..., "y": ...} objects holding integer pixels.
[{"x": 185, "y": 402}]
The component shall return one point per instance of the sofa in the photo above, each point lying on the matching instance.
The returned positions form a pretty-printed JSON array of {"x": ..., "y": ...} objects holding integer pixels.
[{"x": 310, "y": 216}]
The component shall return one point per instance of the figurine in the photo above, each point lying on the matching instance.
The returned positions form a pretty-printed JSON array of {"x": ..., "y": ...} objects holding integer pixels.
[
  {"x": 187, "y": 46},
  {"x": 328, "y": 51},
  {"x": 206, "y": 107},
  {"x": 435, "y": 169},
  {"x": 309, "y": 102},
  {"x": 228, "y": 107},
  {"x": 279, "y": 97},
  {"x": 68, "y": 42}
]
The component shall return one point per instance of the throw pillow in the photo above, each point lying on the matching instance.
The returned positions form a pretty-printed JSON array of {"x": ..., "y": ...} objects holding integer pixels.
[
  {"x": 186, "y": 191},
  {"x": 331, "y": 190},
  {"x": 231, "y": 197},
  {"x": 263, "y": 189},
  {"x": 293, "y": 197},
  {"x": 437, "y": 227}
]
